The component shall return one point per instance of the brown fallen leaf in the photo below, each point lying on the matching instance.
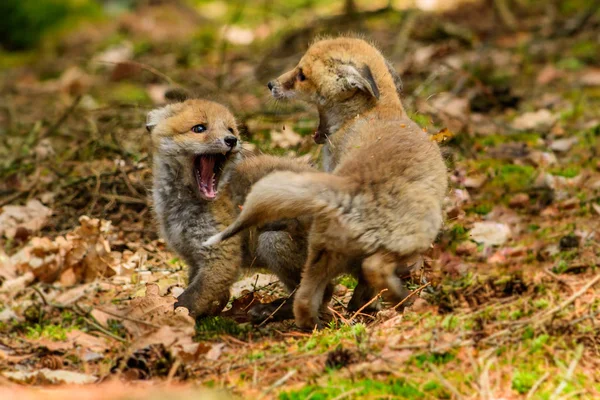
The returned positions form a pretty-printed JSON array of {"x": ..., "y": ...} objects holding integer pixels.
[
  {"x": 46, "y": 375},
  {"x": 285, "y": 139},
  {"x": 442, "y": 136},
  {"x": 31, "y": 217},
  {"x": 80, "y": 256},
  {"x": 153, "y": 311}
]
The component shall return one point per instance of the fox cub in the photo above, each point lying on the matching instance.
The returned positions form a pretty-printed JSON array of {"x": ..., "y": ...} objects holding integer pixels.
[
  {"x": 381, "y": 205},
  {"x": 200, "y": 181}
]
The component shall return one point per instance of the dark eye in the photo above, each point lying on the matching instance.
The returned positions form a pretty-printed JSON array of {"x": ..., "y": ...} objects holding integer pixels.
[
  {"x": 199, "y": 128},
  {"x": 301, "y": 76},
  {"x": 230, "y": 130}
]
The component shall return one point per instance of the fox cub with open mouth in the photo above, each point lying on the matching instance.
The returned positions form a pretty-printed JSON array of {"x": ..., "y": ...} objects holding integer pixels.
[
  {"x": 381, "y": 206},
  {"x": 200, "y": 181}
]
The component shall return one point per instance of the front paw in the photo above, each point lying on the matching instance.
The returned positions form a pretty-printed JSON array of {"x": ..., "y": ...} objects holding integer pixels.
[
  {"x": 201, "y": 305},
  {"x": 306, "y": 318}
]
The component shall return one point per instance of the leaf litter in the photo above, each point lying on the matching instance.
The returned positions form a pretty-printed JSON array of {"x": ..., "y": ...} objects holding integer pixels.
[{"x": 508, "y": 296}]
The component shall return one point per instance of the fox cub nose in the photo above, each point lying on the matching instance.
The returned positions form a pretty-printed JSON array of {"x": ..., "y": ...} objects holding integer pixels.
[
  {"x": 230, "y": 141},
  {"x": 270, "y": 85}
]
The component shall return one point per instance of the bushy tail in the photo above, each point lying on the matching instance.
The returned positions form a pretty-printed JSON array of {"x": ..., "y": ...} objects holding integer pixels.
[{"x": 283, "y": 195}]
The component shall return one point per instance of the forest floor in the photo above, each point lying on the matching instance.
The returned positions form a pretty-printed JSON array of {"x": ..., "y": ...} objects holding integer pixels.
[{"x": 509, "y": 302}]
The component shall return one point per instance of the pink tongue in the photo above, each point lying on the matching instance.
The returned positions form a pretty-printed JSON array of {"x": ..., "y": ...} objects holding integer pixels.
[{"x": 207, "y": 164}]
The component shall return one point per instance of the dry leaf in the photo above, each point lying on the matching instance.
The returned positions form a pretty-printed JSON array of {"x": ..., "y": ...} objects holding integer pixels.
[
  {"x": 32, "y": 217},
  {"x": 490, "y": 233},
  {"x": 590, "y": 77},
  {"x": 152, "y": 311},
  {"x": 81, "y": 256},
  {"x": 285, "y": 139},
  {"x": 450, "y": 105},
  {"x": 538, "y": 120},
  {"x": 563, "y": 145},
  {"x": 442, "y": 136},
  {"x": 238, "y": 35},
  {"x": 46, "y": 375}
]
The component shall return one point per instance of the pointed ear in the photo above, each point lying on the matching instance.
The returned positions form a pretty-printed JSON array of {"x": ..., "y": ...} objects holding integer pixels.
[
  {"x": 360, "y": 78},
  {"x": 156, "y": 116},
  {"x": 177, "y": 94},
  {"x": 397, "y": 79}
]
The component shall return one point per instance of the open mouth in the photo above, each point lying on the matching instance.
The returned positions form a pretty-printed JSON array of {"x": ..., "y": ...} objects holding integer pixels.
[{"x": 207, "y": 170}]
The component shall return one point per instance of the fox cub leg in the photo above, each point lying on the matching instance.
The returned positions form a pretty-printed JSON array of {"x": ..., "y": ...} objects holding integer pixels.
[
  {"x": 283, "y": 252},
  {"x": 209, "y": 283},
  {"x": 384, "y": 270},
  {"x": 314, "y": 292}
]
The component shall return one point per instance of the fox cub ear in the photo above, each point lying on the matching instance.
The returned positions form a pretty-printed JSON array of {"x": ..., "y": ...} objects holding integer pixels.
[
  {"x": 155, "y": 116},
  {"x": 360, "y": 78},
  {"x": 397, "y": 79},
  {"x": 177, "y": 94}
]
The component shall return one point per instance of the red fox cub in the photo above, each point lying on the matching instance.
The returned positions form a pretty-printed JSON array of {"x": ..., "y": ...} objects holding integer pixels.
[
  {"x": 200, "y": 181},
  {"x": 381, "y": 205}
]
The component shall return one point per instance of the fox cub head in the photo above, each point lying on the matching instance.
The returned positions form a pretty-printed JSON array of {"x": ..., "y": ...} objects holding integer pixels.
[
  {"x": 199, "y": 137},
  {"x": 335, "y": 70}
]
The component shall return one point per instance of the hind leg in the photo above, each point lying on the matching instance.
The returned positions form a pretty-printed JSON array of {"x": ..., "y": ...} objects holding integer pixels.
[
  {"x": 283, "y": 253},
  {"x": 322, "y": 266},
  {"x": 383, "y": 270},
  {"x": 363, "y": 293}
]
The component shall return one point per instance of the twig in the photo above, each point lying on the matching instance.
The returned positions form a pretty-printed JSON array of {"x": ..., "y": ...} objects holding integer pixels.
[
  {"x": 506, "y": 16},
  {"x": 576, "y": 24},
  {"x": 278, "y": 308},
  {"x": 408, "y": 25},
  {"x": 414, "y": 292},
  {"x": 444, "y": 381},
  {"x": 366, "y": 304},
  {"x": 39, "y": 292},
  {"x": 536, "y": 385},
  {"x": 173, "y": 370},
  {"x": 139, "y": 321},
  {"x": 101, "y": 329},
  {"x": 124, "y": 199},
  {"x": 146, "y": 67},
  {"x": 563, "y": 383},
  {"x": 280, "y": 381},
  {"x": 567, "y": 302},
  {"x": 558, "y": 278},
  {"x": 347, "y": 393},
  {"x": 60, "y": 120}
]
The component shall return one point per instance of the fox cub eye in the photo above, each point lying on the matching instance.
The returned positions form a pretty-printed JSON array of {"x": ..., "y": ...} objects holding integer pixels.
[
  {"x": 230, "y": 130},
  {"x": 199, "y": 128},
  {"x": 301, "y": 76}
]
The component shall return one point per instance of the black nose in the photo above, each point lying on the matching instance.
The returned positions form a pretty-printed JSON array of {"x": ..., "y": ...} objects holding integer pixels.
[
  {"x": 230, "y": 141},
  {"x": 270, "y": 85}
]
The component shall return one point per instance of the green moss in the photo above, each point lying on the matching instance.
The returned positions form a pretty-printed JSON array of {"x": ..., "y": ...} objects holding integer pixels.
[
  {"x": 567, "y": 172},
  {"x": 523, "y": 380},
  {"x": 421, "y": 360},
  {"x": 367, "y": 388},
  {"x": 570, "y": 64},
  {"x": 531, "y": 138},
  {"x": 210, "y": 327},
  {"x": 48, "y": 331},
  {"x": 422, "y": 120},
  {"x": 348, "y": 280},
  {"x": 513, "y": 178},
  {"x": 327, "y": 339},
  {"x": 586, "y": 50},
  {"x": 482, "y": 209},
  {"x": 128, "y": 93},
  {"x": 560, "y": 267}
]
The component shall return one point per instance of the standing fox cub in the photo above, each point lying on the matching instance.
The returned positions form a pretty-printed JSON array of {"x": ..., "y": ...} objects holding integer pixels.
[
  {"x": 381, "y": 206},
  {"x": 199, "y": 183}
]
